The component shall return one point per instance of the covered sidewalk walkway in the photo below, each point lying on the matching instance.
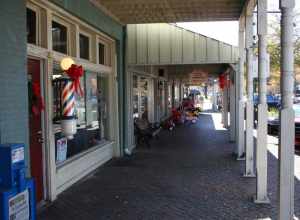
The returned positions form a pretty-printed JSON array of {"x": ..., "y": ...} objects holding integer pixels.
[{"x": 187, "y": 174}]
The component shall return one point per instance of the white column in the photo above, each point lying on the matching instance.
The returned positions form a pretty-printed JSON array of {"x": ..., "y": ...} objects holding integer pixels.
[
  {"x": 236, "y": 78},
  {"x": 232, "y": 107},
  {"x": 222, "y": 92},
  {"x": 240, "y": 87},
  {"x": 214, "y": 104},
  {"x": 287, "y": 115},
  {"x": 261, "y": 151},
  {"x": 249, "y": 169},
  {"x": 225, "y": 105}
]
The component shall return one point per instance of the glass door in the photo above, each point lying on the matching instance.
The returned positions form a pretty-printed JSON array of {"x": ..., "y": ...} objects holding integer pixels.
[{"x": 140, "y": 95}]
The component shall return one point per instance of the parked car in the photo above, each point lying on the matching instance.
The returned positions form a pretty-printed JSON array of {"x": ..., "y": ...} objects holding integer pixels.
[
  {"x": 272, "y": 100},
  {"x": 273, "y": 125}
]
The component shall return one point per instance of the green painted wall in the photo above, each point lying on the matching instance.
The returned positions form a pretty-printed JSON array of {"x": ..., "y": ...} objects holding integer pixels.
[
  {"x": 92, "y": 15},
  {"x": 13, "y": 73},
  {"x": 87, "y": 12}
]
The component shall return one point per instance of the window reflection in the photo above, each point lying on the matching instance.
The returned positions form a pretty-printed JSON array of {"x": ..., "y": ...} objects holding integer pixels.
[
  {"x": 59, "y": 37},
  {"x": 84, "y": 45},
  {"x": 91, "y": 115},
  {"x": 31, "y": 26},
  {"x": 140, "y": 95}
]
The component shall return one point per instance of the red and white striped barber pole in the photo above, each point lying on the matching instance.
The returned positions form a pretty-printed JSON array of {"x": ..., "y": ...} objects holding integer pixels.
[{"x": 68, "y": 122}]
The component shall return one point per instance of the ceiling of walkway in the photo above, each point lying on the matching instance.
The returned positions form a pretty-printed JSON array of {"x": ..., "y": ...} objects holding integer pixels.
[{"x": 170, "y": 11}]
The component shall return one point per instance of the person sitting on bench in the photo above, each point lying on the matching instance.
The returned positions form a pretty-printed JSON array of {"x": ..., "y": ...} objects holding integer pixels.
[{"x": 144, "y": 129}]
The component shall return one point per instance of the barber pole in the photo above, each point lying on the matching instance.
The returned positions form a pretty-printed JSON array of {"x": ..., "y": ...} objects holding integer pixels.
[
  {"x": 68, "y": 122},
  {"x": 68, "y": 99}
]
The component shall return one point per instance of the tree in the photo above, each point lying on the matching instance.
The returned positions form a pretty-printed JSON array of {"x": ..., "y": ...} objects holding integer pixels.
[{"x": 274, "y": 48}]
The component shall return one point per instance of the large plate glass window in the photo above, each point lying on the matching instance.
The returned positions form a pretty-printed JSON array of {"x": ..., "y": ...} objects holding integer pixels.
[
  {"x": 91, "y": 115},
  {"x": 31, "y": 20},
  {"x": 140, "y": 95},
  {"x": 84, "y": 46},
  {"x": 176, "y": 98},
  {"x": 169, "y": 96},
  {"x": 59, "y": 37},
  {"x": 161, "y": 95},
  {"x": 135, "y": 97},
  {"x": 144, "y": 94}
]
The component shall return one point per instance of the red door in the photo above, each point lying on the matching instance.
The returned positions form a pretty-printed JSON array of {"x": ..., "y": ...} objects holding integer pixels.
[{"x": 35, "y": 128}]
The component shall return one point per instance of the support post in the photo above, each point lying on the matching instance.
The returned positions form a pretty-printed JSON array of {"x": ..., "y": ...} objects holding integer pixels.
[
  {"x": 225, "y": 106},
  {"x": 287, "y": 115},
  {"x": 232, "y": 107},
  {"x": 240, "y": 87},
  {"x": 261, "y": 151},
  {"x": 236, "y": 77},
  {"x": 215, "y": 98},
  {"x": 249, "y": 169}
]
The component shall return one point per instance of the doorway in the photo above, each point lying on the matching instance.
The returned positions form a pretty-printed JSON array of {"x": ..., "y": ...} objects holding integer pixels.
[
  {"x": 36, "y": 106},
  {"x": 140, "y": 96}
]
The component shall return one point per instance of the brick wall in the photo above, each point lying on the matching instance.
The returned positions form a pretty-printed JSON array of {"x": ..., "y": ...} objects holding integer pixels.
[{"x": 13, "y": 80}]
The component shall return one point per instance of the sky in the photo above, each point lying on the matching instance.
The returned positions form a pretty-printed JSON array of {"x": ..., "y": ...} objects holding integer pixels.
[{"x": 227, "y": 31}]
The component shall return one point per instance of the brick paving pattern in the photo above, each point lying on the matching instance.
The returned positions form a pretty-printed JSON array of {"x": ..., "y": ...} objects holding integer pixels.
[{"x": 187, "y": 174}]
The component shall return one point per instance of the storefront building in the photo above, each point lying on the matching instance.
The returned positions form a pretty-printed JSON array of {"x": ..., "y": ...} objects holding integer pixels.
[
  {"x": 161, "y": 60},
  {"x": 32, "y": 80}
]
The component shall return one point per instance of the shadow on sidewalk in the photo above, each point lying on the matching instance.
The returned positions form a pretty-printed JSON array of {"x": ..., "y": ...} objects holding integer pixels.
[{"x": 187, "y": 174}]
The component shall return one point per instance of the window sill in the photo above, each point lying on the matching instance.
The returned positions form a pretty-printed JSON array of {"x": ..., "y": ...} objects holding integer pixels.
[{"x": 102, "y": 144}]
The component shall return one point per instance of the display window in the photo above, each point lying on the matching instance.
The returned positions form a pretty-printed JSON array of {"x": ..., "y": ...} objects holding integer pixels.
[
  {"x": 140, "y": 95},
  {"x": 176, "y": 94},
  {"x": 135, "y": 96},
  {"x": 161, "y": 98},
  {"x": 135, "y": 105},
  {"x": 90, "y": 113},
  {"x": 169, "y": 96}
]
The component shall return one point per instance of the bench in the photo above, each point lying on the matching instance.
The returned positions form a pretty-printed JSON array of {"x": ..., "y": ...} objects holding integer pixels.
[{"x": 144, "y": 134}]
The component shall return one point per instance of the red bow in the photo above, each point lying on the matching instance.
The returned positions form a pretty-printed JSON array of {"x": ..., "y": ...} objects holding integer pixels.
[
  {"x": 37, "y": 100},
  {"x": 75, "y": 72}
]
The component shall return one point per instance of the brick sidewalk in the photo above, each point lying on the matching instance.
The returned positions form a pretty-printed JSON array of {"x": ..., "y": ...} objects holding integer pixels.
[{"x": 187, "y": 174}]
